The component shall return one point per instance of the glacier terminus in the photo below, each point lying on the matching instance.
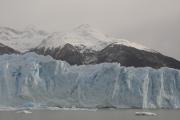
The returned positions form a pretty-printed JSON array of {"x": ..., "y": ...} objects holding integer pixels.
[{"x": 33, "y": 80}]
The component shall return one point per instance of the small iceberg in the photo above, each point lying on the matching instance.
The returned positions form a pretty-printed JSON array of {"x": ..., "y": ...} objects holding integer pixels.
[
  {"x": 145, "y": 114},
  {"x": 24, "y": 111}
]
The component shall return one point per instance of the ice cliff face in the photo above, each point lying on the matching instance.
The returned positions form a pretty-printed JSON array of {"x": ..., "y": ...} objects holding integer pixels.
[{"x": 33, "y": 80}]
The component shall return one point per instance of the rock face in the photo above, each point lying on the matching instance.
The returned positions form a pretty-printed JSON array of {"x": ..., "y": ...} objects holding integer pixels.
[
  {"x": 32, "y": 80},
  {"x": 126, "y": 56},
  {"x": 68, "y": 53},
  {"x": 129, "y": 56},
  {"x": 6, "y": 50}
]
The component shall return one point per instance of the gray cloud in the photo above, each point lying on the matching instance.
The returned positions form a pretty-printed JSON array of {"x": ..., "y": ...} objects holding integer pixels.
[{"x": 154, "y": 23}]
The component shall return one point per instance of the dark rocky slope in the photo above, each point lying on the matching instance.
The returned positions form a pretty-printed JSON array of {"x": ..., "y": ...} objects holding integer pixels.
[
  {"x": 126, "y": 56},
  {"x": 6, "y": 50},
  {"x": 129, "y": 56}
]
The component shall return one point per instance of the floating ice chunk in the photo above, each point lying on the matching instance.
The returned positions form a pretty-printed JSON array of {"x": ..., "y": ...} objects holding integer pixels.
[
  {"x": 145, "y": 114},
  {"x": 24, "y": 111}
]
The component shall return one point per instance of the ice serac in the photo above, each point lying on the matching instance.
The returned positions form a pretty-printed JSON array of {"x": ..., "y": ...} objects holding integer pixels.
[{"x": 33, "y": 80}]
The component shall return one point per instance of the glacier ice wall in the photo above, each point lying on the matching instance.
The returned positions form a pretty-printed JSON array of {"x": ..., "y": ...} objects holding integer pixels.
[{"x": 33, "y": 80}]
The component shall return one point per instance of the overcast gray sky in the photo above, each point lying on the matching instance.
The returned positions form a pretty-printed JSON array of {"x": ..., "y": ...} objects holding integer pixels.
[{"x": 153, "y": 23}]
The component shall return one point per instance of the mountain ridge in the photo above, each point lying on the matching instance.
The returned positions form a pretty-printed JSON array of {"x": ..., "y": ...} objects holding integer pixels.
[{"x": 85, "y": 45}]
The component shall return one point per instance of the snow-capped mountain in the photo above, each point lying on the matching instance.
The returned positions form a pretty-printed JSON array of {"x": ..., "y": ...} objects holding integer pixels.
[
  {"x": 85, "y": 45},
  {"x": 85, "y": 37},
  {"x": 21, "y": 40}
]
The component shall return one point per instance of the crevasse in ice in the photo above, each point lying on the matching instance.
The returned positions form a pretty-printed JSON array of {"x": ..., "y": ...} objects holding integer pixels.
[{"x": 34, "y": 80}]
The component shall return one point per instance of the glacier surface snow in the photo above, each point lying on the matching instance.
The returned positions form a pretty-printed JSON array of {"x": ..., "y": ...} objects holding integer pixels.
[{"x": 31, "y": 80}]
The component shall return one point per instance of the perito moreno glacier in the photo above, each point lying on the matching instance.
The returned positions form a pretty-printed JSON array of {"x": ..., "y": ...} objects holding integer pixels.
[{"x": 34, "y": 80}]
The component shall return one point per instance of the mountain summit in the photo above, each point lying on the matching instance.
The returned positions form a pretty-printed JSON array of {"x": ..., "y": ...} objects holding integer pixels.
[{"x": 87, "y": 36}]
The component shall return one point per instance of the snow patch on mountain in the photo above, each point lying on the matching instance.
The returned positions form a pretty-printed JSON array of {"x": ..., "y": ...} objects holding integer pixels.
[
  {"x": 21, "y": 40},
  {"x": 85, "y": 37}
]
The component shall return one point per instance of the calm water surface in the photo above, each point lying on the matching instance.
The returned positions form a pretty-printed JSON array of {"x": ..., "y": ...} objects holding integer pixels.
[{"x": 122, "y": 114}]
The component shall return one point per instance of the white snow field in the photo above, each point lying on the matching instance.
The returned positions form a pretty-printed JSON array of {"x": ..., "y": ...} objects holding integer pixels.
[
  {"x": 21, "y": 41},
  {"x": 83, "y": 37},
  {"x": 31, "y": 80}
]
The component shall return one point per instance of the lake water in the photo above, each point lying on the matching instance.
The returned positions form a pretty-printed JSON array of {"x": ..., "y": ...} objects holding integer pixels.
[{"x": 122, "y": 114}]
